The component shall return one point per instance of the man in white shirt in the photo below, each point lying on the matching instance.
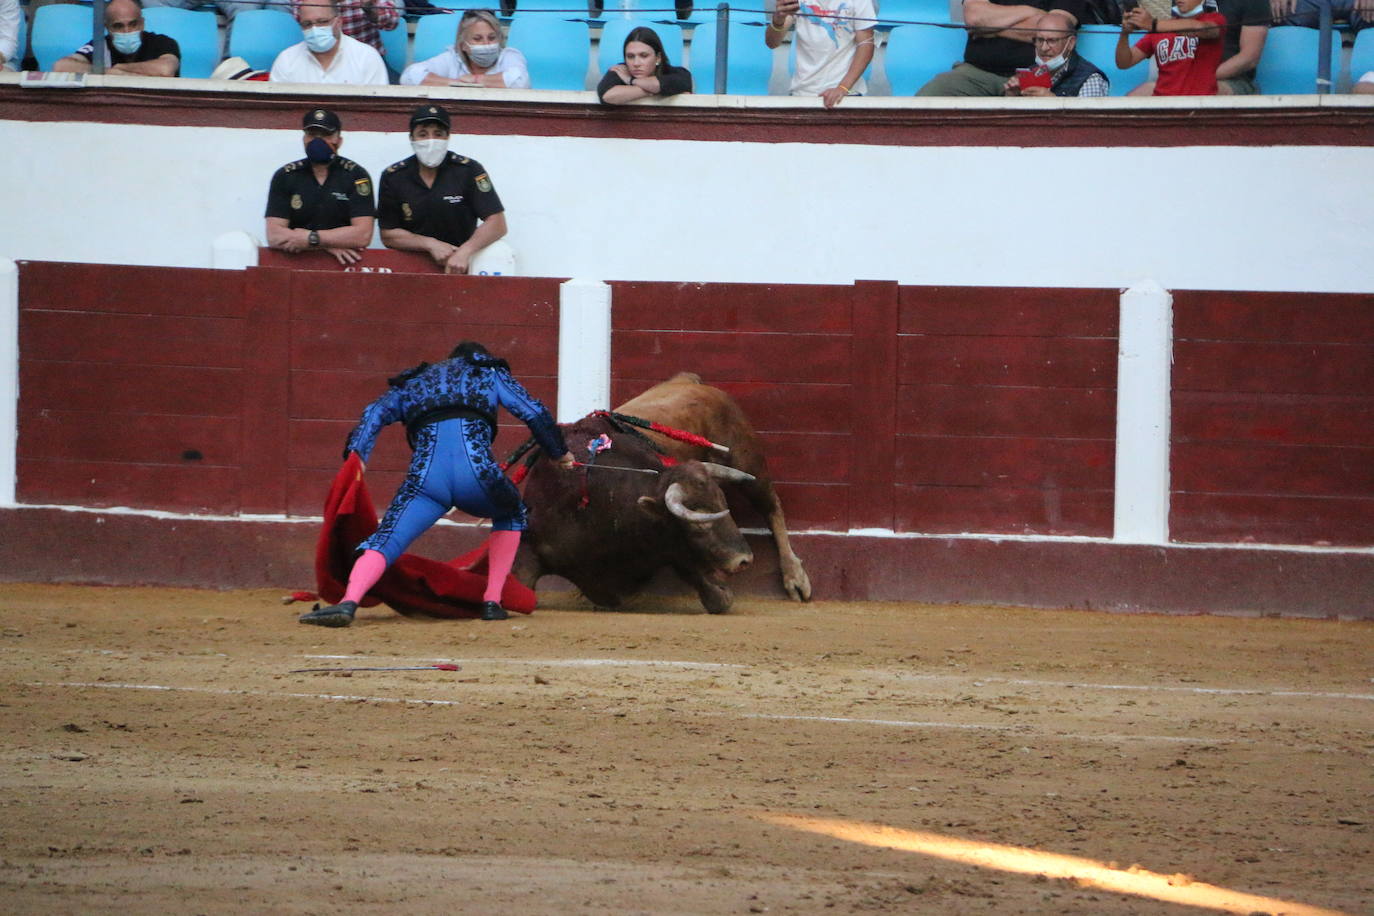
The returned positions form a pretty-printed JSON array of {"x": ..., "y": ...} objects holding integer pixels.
[
  {"x": 327, "y": 55},
  {"x": 834, "y": 45}
]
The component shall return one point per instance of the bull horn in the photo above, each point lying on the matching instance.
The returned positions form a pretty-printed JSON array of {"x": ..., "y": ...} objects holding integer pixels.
[
  {"x": 672, "y": 498},
  {"x": 727, "y": 473}
]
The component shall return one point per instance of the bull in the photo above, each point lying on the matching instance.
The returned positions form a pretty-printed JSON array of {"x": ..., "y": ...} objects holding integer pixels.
[{"x": 608, "y": 529}]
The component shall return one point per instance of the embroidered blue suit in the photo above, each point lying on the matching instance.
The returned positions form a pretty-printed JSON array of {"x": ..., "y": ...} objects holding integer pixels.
[{"x": 450, "y": 414}]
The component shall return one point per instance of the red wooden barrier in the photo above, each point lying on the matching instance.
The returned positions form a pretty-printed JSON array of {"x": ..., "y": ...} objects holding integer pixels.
[
  {"x": 1273, "y": 402},
  {"x": 924, "y": 409}
]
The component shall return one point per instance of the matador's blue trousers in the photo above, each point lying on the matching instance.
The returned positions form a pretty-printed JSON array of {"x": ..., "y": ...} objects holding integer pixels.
[{"x": 451, "y": 467}]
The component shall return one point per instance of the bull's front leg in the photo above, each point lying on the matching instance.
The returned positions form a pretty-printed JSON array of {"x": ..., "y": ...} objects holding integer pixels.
[{"x": 795, "y": 582}]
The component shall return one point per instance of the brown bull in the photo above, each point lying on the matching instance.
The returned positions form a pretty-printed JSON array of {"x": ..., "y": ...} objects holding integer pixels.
[
  {"x": 683, "y": 402},
  {"x": 609, "y": 528},
  {"x": 633, "y": 524}
]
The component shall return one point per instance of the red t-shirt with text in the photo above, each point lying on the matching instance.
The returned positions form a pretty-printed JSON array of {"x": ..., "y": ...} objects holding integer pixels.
[{"x": 1187, "y": 64}]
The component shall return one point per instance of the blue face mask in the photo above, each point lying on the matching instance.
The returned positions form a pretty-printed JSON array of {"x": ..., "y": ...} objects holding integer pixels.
[
  {"x": 320, "y": 38},
  {"x": 318, "y": 151},
  {"x": 127, "y": 42}
]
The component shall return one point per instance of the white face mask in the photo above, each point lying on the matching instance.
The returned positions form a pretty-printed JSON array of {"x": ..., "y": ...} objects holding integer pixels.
[
  {"x": 1053, "y": 63},
  {"x": 1195, "y": 11},
  {"x": 484, "y": 55},
  {"x": 320, "y": 38},
  {"x": 430, "y": 152}
]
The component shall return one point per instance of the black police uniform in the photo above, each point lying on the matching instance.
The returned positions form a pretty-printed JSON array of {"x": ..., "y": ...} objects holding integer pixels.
[
  {"x": 304, "y": 203},
  {"x": 449, "y": 211},
  {"x": 154, "y": 46}
]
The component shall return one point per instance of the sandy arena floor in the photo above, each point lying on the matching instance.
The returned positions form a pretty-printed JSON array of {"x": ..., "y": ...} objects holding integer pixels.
[{"x": 159, "y": 758}]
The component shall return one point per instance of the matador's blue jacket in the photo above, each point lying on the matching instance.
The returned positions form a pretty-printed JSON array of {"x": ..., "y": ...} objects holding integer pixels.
[{"x": 455, "y": 387}]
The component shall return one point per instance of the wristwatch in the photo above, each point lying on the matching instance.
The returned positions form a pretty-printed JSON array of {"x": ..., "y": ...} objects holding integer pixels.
[{"x": 314, "y": 239}]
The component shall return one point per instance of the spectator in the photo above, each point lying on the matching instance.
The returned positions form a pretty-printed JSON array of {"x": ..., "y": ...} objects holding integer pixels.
[
  {"x": 128, "y": 49},
  {"x": 1187, "y": 48},
  {"x": 1358, "y": 14},
  {"x": 834, "y": 45},
  {"x": 227, "y": 8},
  {"x": 365, "y": 20},
  {"x": 1000, "y": 34},
  {"x": 327, "y": 55},
  {"x": 1247, "y": 29},
  {"x": 10, "y": 17},
  {"x": 431, "y": 202},
  {"x": 644, "y": 71},
  {"x": 1063, "y": 74},
  {"x": 324, "y": 201},
  {"x": 477, "y": 57}
]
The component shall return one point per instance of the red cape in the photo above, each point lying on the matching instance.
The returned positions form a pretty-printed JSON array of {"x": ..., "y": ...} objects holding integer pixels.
[{"x": 412, "y": 585}]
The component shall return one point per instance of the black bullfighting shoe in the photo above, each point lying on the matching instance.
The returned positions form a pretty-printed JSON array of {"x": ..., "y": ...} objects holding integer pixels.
[
  {"x": 336, "y": 615},
  {"x": 493, "y": 611}
]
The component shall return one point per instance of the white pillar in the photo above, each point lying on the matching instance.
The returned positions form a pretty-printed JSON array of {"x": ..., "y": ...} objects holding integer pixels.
[
  {"x": 584, "y": 348},
  {"x": 9, "y": 380},
  {"x": 1143, "y": 362},
  {"x": 234, "y": 250}
]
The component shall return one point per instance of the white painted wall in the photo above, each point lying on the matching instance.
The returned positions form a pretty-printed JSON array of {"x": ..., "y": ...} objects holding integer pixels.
[{"x": 697, "y": 211}]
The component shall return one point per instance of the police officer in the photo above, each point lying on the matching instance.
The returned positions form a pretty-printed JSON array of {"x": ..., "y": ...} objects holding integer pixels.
[
  {"x": 323, "y": 201},
  {"x": 432, "y": 201}
]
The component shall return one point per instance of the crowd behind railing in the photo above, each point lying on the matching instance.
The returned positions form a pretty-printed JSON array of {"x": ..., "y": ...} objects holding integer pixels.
[{"x": 824, "y": 49}]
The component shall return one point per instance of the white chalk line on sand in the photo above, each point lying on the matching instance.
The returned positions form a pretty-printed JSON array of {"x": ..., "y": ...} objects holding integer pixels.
[
  {"x": 975, "y": 680},
  {"x": 897, "y": 723},
  {"x": 1018, "y": 729},
  {"x": 548, "y": 662}
]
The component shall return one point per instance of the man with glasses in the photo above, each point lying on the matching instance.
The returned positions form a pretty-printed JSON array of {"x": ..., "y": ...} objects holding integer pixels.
[
  {"x": 327, "y": 55},
  {"x": 127, "y": 49},
  {"x": 1058, "y": 70},
  {"x": 366, "y": 20},
  {"x": 999, "y": 43}
]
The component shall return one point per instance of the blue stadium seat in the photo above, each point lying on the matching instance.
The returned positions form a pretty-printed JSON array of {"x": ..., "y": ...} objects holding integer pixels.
[
  {"x": 258, "y": 36},
  {"x": 58, "y": 30},
  {"x": 613, "y": 33},
  {"x": 915, "y": 53},
  {"x": 749, "y": 64},
  {"x": 1288, "y": 65},
  {"x": 558, "y": 50},
  {"x": 1362, "y": 55},
  {"x": 196, "y": 34},
  {"x": 432, "y": 35},
  {"x": 904, "y": 11},
  {"x": 1098, "y": 45},
  {"x": 397, "y": 44}
]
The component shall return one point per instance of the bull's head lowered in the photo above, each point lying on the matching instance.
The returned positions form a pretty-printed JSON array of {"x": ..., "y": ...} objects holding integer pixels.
[{"x": 691, "y": 496}]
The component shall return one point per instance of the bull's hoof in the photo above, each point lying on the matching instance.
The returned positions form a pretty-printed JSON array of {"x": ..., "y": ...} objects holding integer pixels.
[
  {"x": 493, "y": 611},
  {"x": 796, "y": 582},
  {"x": 336, "y": 615}
]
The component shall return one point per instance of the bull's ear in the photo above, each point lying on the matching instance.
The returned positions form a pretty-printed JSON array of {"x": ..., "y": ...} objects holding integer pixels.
[{"x": 651, "y": 506}]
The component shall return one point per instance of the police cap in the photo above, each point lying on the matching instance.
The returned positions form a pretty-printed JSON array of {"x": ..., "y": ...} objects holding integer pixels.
[
  {"x": 429, "y": 113},
  {"x": 321, "y": 118}
]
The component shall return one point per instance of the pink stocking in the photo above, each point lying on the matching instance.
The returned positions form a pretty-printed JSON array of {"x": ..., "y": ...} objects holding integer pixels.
[
  {"x": 501, "y": 547},
  {"x": 366, "y": 571}
]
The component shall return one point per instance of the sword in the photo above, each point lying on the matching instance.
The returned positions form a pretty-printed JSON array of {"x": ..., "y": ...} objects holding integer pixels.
[{"x": 611, "y": 467}]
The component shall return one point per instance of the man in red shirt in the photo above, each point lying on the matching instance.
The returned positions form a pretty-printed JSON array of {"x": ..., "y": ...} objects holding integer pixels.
[{"x": 1187, "y": 47}]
